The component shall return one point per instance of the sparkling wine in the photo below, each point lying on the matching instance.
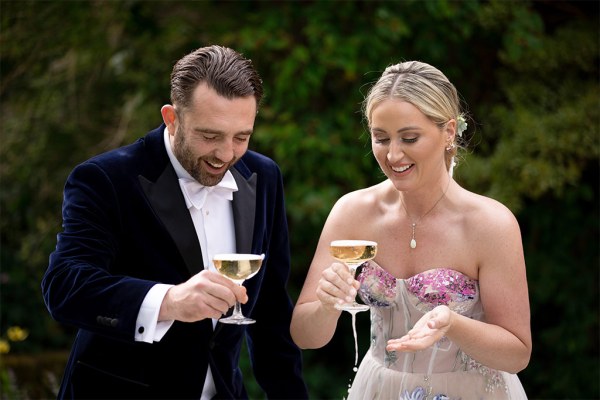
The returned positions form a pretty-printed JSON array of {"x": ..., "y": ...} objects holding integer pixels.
[
  {"x": 238, "y": 267},
  {"x": 353, "y": 252}
]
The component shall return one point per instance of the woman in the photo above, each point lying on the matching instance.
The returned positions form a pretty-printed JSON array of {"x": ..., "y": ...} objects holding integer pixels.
[{"x": 447, "y": 288}]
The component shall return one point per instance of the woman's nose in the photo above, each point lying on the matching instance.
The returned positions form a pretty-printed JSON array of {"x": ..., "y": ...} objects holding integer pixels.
[{"x": 395, "y": 152}]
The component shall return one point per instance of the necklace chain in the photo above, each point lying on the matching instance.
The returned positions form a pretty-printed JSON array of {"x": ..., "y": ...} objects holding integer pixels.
[{"x": 413, "y": 241}]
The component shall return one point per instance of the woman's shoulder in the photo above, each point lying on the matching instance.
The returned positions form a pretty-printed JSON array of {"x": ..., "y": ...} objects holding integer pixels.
[
  {"x": 485, "y": 214},
  {"x": 358, "y": 208},
  {"x": 367, "y": 197}
]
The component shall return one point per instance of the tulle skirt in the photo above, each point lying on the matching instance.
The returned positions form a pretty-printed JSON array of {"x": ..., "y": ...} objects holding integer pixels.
[{"x": 374, "y": 381}]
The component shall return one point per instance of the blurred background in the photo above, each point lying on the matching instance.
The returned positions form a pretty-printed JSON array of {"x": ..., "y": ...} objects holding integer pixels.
[{"x": 82, "y": 77}]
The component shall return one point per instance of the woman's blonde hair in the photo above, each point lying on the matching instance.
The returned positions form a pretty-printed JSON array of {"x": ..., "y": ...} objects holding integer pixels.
[{"x": 422, "y": 85}]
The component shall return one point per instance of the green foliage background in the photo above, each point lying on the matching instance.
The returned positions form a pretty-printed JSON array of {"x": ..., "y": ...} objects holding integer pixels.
[{"x": 78, "y": 78}]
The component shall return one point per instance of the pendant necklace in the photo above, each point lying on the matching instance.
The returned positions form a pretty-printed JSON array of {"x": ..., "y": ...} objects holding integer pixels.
[{"x": 413, "y": 241}]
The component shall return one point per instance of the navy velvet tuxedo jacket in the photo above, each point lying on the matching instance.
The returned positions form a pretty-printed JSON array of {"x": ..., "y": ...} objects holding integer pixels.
[{"x": 126, "y": 227}]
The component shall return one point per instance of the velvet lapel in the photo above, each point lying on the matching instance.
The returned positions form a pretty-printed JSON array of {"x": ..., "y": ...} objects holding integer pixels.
[
  {"x": 244, "y": 209},
  {"x": 167, "y": 201}
]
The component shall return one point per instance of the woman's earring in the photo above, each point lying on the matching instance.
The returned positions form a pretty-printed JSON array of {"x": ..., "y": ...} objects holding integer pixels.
[{"x": 450, "y": 146}]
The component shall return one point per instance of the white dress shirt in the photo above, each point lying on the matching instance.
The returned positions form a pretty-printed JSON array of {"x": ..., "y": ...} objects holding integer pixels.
[{"x": 212, "y": 216}]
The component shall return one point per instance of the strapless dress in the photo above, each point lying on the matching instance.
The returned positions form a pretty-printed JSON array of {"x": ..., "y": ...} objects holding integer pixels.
[{"x": 440, "y": 372}]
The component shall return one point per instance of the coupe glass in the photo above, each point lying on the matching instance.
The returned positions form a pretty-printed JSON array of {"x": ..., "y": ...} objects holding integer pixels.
[
  {"x": 353, "y": 253},
  {"x": 238, "y": 268}
]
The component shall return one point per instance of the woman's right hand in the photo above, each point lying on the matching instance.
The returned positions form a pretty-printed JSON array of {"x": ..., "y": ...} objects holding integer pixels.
[{"x": 336, "y": 286}]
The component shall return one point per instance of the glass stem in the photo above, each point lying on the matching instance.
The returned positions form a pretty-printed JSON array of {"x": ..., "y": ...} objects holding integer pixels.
[
  {"x": 352, "y": 268},
  {"x": 237, "y": 310}
]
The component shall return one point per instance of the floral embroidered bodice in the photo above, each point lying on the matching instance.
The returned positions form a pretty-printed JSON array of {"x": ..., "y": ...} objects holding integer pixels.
[{"x": 397, "y": 305}]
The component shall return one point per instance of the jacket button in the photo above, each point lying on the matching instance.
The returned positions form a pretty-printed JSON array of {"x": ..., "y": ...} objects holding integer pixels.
[{"x": 114, "y": 322}]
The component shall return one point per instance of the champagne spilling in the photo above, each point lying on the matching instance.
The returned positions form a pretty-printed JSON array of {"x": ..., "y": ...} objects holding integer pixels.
[{"x": 353, "y": 253}]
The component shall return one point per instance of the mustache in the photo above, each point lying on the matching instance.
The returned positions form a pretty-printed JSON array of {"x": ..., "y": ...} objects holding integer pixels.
[{"x": 216, "y": 161}]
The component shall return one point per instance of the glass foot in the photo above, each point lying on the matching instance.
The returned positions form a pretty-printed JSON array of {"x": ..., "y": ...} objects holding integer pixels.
[
  {"x": 237, "y": 320},
  {"x": 352, "y": 307}
]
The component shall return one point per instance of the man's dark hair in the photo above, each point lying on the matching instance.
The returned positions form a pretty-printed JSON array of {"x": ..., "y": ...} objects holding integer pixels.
[{"x": 221, "y": 68}]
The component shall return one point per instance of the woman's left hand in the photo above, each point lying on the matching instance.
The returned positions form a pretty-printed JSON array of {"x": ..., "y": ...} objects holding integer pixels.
[{"x": 428, "y": 330}]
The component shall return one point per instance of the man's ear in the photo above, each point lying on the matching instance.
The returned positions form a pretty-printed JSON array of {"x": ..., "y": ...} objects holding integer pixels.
[{"x": 169, "y": 117}]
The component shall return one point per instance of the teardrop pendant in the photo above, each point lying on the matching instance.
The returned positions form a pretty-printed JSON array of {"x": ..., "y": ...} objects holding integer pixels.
[{"x": 413, "y": 244}]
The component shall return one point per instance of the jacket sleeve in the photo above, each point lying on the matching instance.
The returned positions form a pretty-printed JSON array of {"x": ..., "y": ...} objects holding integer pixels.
[{"x": 80, "y": 286}]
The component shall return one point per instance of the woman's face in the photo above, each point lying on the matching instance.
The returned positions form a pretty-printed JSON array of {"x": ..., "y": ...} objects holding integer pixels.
[{"x": 408, "y": 147}]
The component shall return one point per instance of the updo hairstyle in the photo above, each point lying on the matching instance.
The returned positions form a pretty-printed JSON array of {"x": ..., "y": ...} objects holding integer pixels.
[{"x": 425, "y": 87}]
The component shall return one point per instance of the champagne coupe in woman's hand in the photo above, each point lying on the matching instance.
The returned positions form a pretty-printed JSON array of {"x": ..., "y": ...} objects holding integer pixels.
[
  {"x": 353, "y": 253},
  {"x": 238, "y": 267}
]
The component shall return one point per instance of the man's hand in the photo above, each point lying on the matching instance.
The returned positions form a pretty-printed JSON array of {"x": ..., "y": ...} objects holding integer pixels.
[{"x": 205, "y": 295}]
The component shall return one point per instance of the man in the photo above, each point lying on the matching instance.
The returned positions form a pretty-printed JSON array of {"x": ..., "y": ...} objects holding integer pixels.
[{"x": 132, "y": 268}]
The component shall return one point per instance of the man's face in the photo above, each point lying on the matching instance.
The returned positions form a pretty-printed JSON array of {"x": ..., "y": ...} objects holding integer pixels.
[{"x": 212, "y": 134}]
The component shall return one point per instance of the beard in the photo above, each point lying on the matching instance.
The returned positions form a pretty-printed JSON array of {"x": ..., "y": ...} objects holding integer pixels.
[{"x": 193, "y": 164}]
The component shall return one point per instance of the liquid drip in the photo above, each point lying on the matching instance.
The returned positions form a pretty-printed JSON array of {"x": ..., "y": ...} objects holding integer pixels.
[
  {"x": 353, "y": 313},
  {"x": 355, "y": 337}
]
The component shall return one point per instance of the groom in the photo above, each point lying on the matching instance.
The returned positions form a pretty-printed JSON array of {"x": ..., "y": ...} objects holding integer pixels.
[{"x": 132, "y": 268}]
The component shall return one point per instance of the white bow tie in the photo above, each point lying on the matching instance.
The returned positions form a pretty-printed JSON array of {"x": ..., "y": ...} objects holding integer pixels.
[{"x": 196, "y": 193}]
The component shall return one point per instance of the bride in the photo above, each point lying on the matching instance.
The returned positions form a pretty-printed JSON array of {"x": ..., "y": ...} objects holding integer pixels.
[{"x": 447, "y": 289}]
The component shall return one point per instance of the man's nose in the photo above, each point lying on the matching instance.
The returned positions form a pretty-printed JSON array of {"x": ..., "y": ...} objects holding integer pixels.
[{"x": 225, "y": 151}]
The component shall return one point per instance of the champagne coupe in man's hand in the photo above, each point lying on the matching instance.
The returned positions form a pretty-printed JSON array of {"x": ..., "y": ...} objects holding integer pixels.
[
  {"x": 353, "y": 253},
  {"x": 238, "y": 268}
]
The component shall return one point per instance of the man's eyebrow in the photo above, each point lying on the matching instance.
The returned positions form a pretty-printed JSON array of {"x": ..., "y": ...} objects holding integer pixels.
[
  {"x": 218, "y": 132},
  {"x": 208, "y": 130}
]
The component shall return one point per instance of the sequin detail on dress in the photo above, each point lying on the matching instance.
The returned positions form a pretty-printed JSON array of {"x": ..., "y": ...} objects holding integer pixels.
[
  {"x": 443, "y": 287},
  {"x": 439, "y": 286},
  {"x": 493, "y": 378},
  {"x": 377, "y": 286},
  {"x": 421, "y": 394},
  {"x": 396, "y": 305}
]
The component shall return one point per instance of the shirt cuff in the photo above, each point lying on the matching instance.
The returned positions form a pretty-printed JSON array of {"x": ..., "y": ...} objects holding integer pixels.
[{"x": 147, "y": 327}]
